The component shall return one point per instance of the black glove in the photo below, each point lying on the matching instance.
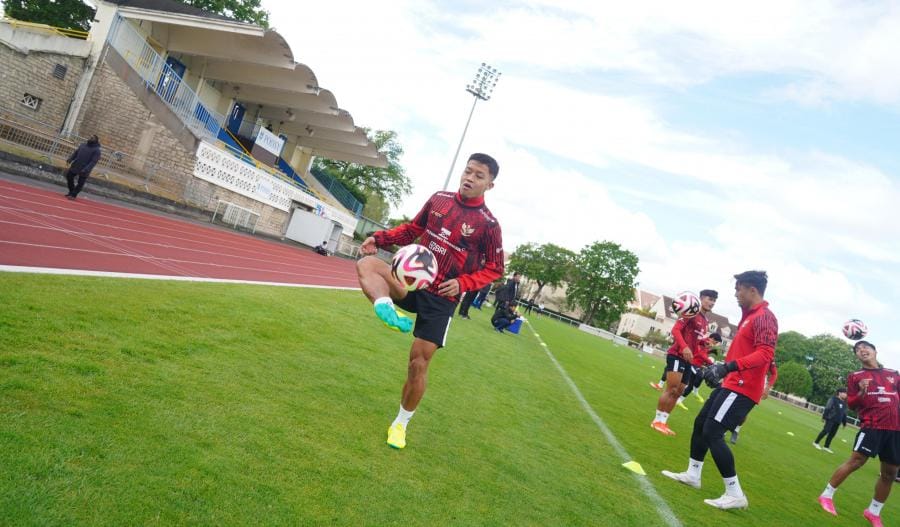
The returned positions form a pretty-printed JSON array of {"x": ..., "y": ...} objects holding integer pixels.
[{"x": 714, "y": 374}]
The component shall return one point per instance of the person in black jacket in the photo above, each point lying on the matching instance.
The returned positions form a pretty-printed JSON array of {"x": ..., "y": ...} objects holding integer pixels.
[
  {"x": 835, "y": 414},
  {"x": 510, "y": 291},
  {"x": 81, "y": 162},
  {"x": 504, "y": 316}
]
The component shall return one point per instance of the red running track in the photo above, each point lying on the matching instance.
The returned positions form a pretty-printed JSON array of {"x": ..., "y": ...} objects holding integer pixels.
[{"x": 40, "y": 228}]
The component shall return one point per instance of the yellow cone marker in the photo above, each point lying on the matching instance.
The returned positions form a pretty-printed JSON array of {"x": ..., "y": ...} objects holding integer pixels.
[
  {"x": 844, "y": 440},
  {"x": 635, "y": 467},
  {"x": 790, "y": 434},
  {"x": 779, "y": 413}
]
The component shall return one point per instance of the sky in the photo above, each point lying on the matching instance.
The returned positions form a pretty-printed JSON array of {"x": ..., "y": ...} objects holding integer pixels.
[{"x": 708, "y": 138}]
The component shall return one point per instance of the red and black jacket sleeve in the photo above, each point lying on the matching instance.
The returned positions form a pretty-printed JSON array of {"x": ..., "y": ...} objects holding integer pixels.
[
  {"x": 491, "y": 247},
  {"x": 406, "y": 233}
]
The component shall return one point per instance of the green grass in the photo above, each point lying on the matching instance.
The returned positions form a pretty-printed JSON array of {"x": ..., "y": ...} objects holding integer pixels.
[{"x": 157, "y": 403}]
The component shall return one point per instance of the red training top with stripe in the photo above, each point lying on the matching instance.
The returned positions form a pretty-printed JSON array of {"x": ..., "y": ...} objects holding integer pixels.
[
  {"x": 463, "y": 235},
  {"x": 878, "y": 405},
  {"x": 691, "y": 333},
  {"x": 753, "y": 349}
]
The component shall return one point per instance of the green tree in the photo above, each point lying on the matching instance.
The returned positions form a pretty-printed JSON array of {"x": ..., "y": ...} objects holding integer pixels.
[
  {"x": 660, "y": 340},
  {"x": 603, "y": 280},
  {"x": 833, "y": 360},
  {"x": 794, "y": 378},
  {"x": 243, "y": 10},
  {"x": 376, "y": 208},
  {"x": 794, "y": 347},
  {"x": 394, "y": 222},
  {"x": 390, "y": 183},
  {"x": 546, "y": 264},
  {"x": 69, "y": 14},
  {"x": 75, "y": 14}
]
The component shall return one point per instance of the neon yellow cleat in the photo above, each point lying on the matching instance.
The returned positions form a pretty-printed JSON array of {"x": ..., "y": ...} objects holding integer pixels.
[
  {"x": 393, "y": 318},
  {"x": 396, "y": 436},
  {"x": 682, "y": 406},
  {"x": 699, "y": 397}
]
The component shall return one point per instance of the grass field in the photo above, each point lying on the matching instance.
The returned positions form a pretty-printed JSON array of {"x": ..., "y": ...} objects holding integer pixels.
[{"x": 156, "y": 403}]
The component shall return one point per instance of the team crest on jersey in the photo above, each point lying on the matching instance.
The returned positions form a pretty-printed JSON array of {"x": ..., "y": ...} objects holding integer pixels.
[
  {"x": 890, "y": 380},
  {"x": 465, "y": 230},
  {"x": 445, "y": 233}
]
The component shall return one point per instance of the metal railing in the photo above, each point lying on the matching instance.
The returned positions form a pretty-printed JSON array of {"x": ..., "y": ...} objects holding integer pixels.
[
  {"x": 338, "y": 190},
  {"x": 44, "y": 28},
  {"x": 25, "y": 132},
  {"x": 161, "y": 78}
]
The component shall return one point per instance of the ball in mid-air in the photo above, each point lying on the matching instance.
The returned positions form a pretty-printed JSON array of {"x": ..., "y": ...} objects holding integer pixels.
[
  {"x": 686, "y": 305},
  {"x": 855, "y": 329}
]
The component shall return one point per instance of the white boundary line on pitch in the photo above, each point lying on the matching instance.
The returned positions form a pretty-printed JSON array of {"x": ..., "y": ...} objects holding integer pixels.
[
  {"x": 661, "y": 506},
  {"x": 110, "y": 274}
]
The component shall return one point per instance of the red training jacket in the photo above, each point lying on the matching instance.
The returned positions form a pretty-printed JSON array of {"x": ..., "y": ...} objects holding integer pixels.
[
  {"x": 753, "y": 349},
  {"x": 461, "y": 233}
]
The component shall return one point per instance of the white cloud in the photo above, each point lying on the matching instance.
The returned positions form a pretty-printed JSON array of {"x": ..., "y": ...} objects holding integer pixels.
[{"x": 821, "y": 224}]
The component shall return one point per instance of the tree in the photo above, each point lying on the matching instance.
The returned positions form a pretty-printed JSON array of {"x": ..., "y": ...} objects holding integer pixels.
[
  {"x": 376, "y": 208},
  {"x": 833, "y": 360},
  {"x": 794, "y": 378},
  {"x": 68, "y": 14},
  {"x": 389, "y": 183},
  {"x": 394, "y": 222},
  {"x": 602, "y": 282},
  {"x": 546, "y": 264},
  {"x": 75, "y": 14},
  {"x": 655, "y": 338},
  {"x": 793, "y": 347},
  {"x": 243, "y": 10}
]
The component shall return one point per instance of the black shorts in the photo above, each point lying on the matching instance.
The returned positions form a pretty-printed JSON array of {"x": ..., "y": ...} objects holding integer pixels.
[
  {"x": 885, "y": 444},
  {"x": 433, "y": 315},
  {"x": 691, "y": 376},
  {"x": 727, "y": 408},
  {"x": 678, "y": 364}
]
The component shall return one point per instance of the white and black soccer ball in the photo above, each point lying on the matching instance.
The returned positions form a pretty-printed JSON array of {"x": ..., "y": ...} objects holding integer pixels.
[
  {"x": 686, "y": 305},
  {"x": 415, "y": 267},
  {"x": 855, "y": 329}
]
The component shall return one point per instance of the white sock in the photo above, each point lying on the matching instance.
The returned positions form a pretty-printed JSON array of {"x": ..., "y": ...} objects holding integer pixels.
[
  {"x": 680, "y": 399},
  {"x": 733, "y": 487},
  {"x": 383, "y": 300},
  {"x": 695, "y": 468},
  {"x": 658, "y": 416},
  {"x": 828, "y": 492},
  {"x": 737, "y": 428},
  {"x": 875, "y": 507},
  {"x": 403, "y": 417},
  {"x": 662, "y": 417}
]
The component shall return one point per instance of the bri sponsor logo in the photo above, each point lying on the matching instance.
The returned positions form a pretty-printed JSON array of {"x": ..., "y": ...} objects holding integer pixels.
[{"x": 437, "y": 248}]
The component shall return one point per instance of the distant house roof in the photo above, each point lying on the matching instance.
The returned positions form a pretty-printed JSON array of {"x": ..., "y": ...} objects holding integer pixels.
[
  {"x": 667, "y": 302},
  {"x": 170, "y": 6},
  {"x": 647, "y": 299}
]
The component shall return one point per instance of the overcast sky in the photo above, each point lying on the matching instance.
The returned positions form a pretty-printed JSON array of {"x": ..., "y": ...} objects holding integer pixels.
[{"x": 708, "y": 137}]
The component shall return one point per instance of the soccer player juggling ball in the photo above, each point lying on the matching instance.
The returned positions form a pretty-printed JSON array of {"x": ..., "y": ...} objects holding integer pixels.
[
  {"x": 466, "y": 240},
  {"x": 873, "y": 393},
  {"x": 743, "y": 377}
]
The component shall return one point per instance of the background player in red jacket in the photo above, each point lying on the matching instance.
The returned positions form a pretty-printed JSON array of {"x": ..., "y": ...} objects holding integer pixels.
[
  {"x": 744, "y": 373},
  {"x": 873, "y": 393},
  {"x": 466, "y": 240},
  {"x": 690, "y": 335}
]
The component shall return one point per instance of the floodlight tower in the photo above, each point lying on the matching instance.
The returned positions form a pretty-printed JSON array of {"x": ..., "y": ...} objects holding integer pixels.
[{"x": 481, "y": 87}]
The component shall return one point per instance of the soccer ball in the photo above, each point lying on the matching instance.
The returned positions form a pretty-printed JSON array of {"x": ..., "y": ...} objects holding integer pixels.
[
  {"x": 855, "y": 329},
  {"x": 686, "y": 305},
  {"x": 414, "y": 266}
]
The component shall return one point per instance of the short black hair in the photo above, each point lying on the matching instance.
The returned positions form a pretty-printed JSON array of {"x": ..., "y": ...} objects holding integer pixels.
[
  {"x": 755, "y": 279},
  {"x": 488, "y": 161},
  {"x": 841, "y": 390},
  {"x": 716, "y": 337},
  {"x": 711, "y": 293},
  {"x": 516, "y": 273},
  {"x": 863, "y": 343}
]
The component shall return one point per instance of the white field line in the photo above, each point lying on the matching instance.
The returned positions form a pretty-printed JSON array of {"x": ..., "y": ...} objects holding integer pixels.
[
  {"x": 107, "y": 274},
  {"x": 665, "y": 512}
]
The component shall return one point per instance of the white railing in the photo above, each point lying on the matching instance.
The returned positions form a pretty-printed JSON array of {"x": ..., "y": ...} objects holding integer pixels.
[{"x": 162, "y": 79}]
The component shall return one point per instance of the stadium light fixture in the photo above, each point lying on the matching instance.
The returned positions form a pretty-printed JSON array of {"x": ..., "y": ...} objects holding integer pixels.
[{"x": 481, "y": 88}]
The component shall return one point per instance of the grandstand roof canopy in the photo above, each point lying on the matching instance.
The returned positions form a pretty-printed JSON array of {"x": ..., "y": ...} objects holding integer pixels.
[{"x": 256, "y": 65}]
